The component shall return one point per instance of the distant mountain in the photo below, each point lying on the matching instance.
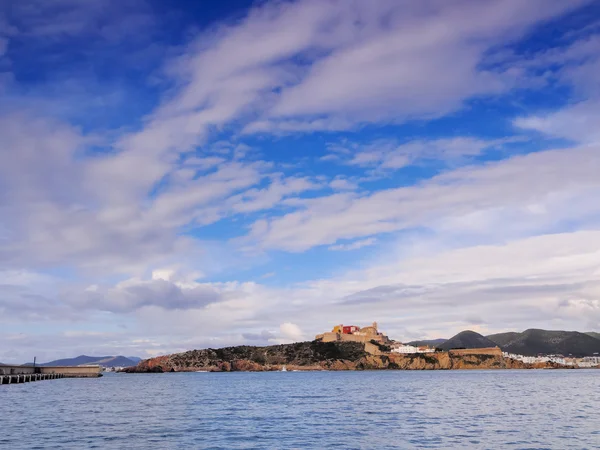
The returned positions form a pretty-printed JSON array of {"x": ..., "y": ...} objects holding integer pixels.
[
  {"x": 428, "y": 342},
  {"x": 533, "y": 342},
  {"x": 119, "y": 361},
  {"x": 77, "y": 361},
  {"x": 135, "y": 359},
  {"x": 467, "y": 339},
  {"x": 104, "y": 361},
  {"x": 593, "y": 334}
]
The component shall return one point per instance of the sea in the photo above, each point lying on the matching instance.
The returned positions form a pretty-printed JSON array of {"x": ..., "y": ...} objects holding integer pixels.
[{"x": 521, "y": 409}]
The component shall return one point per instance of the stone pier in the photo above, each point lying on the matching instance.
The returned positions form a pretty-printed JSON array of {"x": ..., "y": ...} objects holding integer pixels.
[{"x": 26, "y": 374}]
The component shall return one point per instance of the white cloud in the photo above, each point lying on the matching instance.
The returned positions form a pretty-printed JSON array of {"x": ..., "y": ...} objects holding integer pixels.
[
  {"x": 576, "y": 66},
  {"x": 57, "y": 209},
  {"x": 206, "y": 163},
  {"x": 360, "y": 243},
  {"x": 545, "y": 281},
  {"x": 342, "y": 184},
  {"x": 261, "y": 199},
  {"x": 131, "y": 295},
  {"x": 388, "y": 154},
  {"x": 522, "y": 283},
  {"x": 24, "y": 278},
  {"x": 580, "y": 122},
  {"x": 527, "y": 187},
  {"x": 268, "y": 275},
  {"x": 367, "y": 64},
  {"x": 514, "y": 285},
  {"x": 222, "y": 76},
  {"x": 291, "y": 332},
  {"x": 375, "y": 72},
  {"x": 70, "y": 18}
]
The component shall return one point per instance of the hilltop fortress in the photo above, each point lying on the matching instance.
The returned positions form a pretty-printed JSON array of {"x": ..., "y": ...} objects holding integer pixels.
[
  {"x": 377, "y": 343},
  {"x": 352, "y": 333}
]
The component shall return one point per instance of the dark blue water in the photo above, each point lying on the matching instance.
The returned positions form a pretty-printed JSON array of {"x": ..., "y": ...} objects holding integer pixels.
[{"x": 342, "y": 410}]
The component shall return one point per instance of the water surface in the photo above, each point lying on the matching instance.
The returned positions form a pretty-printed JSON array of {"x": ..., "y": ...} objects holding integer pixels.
[{"x": 350, "y": 410}]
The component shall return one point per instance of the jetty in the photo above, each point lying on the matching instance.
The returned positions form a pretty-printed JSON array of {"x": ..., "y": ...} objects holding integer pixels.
[{"x": 26, "y": 374}]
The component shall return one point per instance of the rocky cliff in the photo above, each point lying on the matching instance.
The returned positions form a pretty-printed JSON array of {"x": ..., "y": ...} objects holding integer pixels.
[{"x": 317, "y": 355}]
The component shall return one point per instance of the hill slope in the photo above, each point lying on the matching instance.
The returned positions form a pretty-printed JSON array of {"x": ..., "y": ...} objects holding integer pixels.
[
  {"x": 533, "y": 342},
  {"x": 429, "y": 342},
  {"x": 593, "y": 334},
  {"x": 104, "y": 361},
  {"x": 467, "y": 339},
  {"x": 246, "y": 357}
]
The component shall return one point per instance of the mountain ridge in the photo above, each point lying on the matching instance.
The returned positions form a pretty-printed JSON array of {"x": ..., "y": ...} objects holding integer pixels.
[
  {"x": 530, "y": 342},
  {"x": 104, "y": 361},
  {"x": 534, "y": 341},
  {"x": 467, "y": 339},
  {"x": 428, "y": 342}
]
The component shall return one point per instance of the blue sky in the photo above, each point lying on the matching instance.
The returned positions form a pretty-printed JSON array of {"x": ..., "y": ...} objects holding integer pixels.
[{"x": 183, "y": 174}]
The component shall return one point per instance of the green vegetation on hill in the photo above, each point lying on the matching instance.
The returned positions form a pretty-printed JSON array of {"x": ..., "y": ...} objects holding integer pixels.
[
  {"x": 593, "y": 334},
  {"x": 428, "y": 342},
  {"x": 334, "y": 355},
  {"x": 533, "y": 342},
  {"x": 467, "y": 339},
  {"x": 300, "y": 353}
]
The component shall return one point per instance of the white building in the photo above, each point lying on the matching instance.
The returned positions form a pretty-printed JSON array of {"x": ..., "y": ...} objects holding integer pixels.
[
  {"x": 538, "y": 359},
  {"x": 408, "y": 349}
]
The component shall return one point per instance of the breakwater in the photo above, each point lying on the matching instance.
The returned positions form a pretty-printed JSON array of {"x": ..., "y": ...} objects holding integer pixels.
[
  {"x": 26, "y": 374},
  {"x": 26, "y": 378}
]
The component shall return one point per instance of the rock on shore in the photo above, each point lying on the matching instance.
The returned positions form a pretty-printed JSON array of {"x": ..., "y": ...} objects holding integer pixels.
[{"x": 317, "y": 355}]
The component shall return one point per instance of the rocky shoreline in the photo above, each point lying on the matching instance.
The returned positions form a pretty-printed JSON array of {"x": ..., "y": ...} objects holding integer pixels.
[{"x": 317, "y": 355}]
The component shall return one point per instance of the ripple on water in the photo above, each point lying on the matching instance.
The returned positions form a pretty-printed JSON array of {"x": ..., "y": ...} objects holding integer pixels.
[{"x": 384, "y": 410}]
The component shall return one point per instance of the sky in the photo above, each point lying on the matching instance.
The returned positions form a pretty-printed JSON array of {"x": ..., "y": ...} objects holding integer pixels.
[{"x": 191, "y": 174}]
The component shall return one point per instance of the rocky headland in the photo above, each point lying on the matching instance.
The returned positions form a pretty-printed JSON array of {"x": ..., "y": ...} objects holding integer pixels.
[{"x": 318, "y": 355}]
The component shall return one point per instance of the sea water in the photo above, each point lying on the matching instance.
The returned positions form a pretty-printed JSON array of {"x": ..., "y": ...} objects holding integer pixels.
[{"x": 342, "y": 410}]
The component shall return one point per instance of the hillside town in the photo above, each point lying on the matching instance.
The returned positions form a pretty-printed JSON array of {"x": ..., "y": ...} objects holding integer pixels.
[
  {"x": 113, "y": 368},
  {"x": 586, "y": 361}
]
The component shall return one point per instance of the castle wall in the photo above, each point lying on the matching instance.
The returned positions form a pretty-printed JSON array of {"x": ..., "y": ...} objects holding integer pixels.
[
  {"x": 337, "y": 337},
  {"x": 494, "y": 351},
  {"x": 328, "y": 337}
]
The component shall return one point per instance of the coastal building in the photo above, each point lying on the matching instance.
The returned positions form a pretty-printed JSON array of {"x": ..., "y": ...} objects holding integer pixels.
[
  {"x": 406, "y": 349},
  {"x": 350, "y": 329},
  {"x": 558, "y": 359},
  {"x": 113, "y": 369},
  {"x": 595, "y": 360},
  {"x": 588, "y": 361},
  {"x": 353, "y": 333}
]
